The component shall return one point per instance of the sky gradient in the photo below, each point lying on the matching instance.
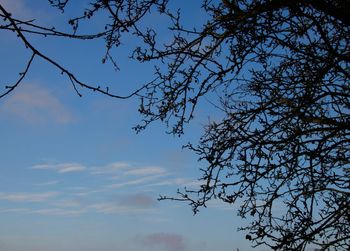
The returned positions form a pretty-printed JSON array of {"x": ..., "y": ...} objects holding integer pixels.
[{"x": 75, "y": 176}]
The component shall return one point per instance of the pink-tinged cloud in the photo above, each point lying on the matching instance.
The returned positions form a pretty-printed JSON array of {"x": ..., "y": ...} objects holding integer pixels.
[
  {"x": 165, "y": 241},
  {"x": 36, "y": 105},
  {"x": 138, "y": 200}
]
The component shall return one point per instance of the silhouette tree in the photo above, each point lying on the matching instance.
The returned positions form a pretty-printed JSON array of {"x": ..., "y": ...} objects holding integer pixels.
[{"x": 280, "y": 72}]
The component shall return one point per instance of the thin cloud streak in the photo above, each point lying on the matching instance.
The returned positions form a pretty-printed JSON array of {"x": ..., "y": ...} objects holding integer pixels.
[
  {"x": 61, "y": 168},
  {"x": 44, "y": 211},
  {"x": 58, "y": 212},
  {"x": 133, "y": 182},
  {"x": 170, "y": 182},
  {"x": 146, "y": 171},
  {"x": 109, "y": 169},
  {"x": 113, "y": 208},
  {"x": 115, "y": 170},
  {"x": 27, "y": 197},
  {"x": 48, "y": 183},
  {"x": 129, "y": 175},
  {"x": 14, "y": 210}
]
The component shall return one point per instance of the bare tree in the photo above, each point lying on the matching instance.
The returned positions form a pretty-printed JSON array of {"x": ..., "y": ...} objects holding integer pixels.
[{"x": 280, "y": 72}]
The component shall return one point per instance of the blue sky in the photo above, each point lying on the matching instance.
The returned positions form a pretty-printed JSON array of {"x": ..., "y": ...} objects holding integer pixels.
[{"x": 75, "y": 176}]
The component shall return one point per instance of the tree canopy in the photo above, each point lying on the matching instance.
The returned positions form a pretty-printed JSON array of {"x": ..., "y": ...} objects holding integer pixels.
[{"x": 280, "y": 72}]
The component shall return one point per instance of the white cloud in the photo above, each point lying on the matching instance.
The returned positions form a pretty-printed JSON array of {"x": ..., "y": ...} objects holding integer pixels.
[
  {"x": 58, "y": 212},
  {"x": 61, "y": 168},
  {"x": 14, "y": 210},
  {"x": 133, "y": 182},
  {"x": 113, "y": 208},
  {"x": 90, "y": 192},
  {"x": 123, "y": 175},
  {"x": 170, "y": 182},
  {"x": 146, "y": 171},
  {"x": 117, "y": 171},
  {"x": 70, "y": 167},
  {"x": 35, "y": 104},
  {"x": 44, "y": 211},
  {"x": 27, "y": 197},
  {"x": 109, "y": 169},
  {"x": 125, "y": 169}
]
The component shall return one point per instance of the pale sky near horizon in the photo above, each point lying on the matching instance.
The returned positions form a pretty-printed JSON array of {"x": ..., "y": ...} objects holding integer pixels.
[{"x": 74, "y": 176}]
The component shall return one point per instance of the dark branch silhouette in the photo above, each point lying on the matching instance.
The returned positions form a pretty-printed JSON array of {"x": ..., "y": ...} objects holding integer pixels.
[{"x": 280, "y": 72}]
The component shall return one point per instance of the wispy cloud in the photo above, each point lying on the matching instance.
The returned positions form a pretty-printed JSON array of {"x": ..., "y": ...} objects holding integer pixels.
[
  {"x": 165, "y": 241},
  {"x": 143, "y": 171},
  {"x": 126, "y": 169},
  {"x": 138, "y": 181},
  {"x": 89, "y": 192},
  {"x": 58, "y": 212},
  {"x": 27, "y": 197},
  {"x": 44, "y": 211},
  {"x": 170, "y": 182},
  {"x": 119, "y": 175},
  {"x": 127, "y": 204},
  {"x": 48, "y": 183},
  {"x": 61, "y": 168},
  {"x": 128, "y": 173},
  {"x": 35, "y": 104},
  {"x": 123, "y": 173},
  {"x": 115, "y": 208},
  {"x": 14, "y": 210},
  {"x": 109, "y": 169},
  {"x": 70, "y": 167}
]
